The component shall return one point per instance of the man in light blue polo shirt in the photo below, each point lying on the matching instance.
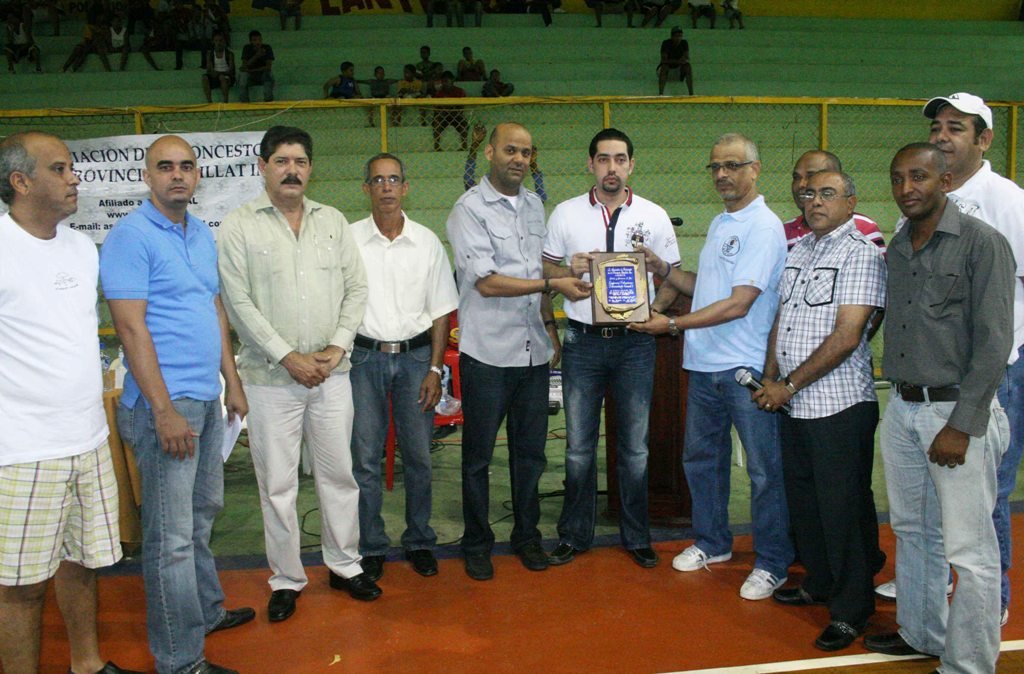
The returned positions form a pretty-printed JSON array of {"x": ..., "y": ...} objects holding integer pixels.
[
  {"x": 734, "y": 303},
  {"x": 159, "y": 272}
]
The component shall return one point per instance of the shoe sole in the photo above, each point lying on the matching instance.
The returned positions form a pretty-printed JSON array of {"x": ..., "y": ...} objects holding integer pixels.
[{"x": 717, "y": 559}]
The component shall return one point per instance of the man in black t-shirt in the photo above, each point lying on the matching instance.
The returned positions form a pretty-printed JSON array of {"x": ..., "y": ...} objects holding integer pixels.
[
  {"x": 257, "y": 61},
  {"x": 675, "y": 53}
]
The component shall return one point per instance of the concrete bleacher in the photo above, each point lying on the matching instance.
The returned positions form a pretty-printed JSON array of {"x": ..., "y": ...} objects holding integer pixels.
[{"x": 772, "y": 57}]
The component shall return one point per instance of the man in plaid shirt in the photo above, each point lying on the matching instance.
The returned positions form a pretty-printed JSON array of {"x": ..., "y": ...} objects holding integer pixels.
[{"x": 819, "y": 364}]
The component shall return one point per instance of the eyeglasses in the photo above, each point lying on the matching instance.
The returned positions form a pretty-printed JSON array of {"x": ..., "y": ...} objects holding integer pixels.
[
  {"x": 392, "y": 180},
  {"x": 826, "y": 194},
  {"x": 730, "y": 166}
]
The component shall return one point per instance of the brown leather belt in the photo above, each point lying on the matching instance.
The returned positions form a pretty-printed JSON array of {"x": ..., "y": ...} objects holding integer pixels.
[
  {"x": 922, "y": 394},
  {"x": 422, "y": 339}
]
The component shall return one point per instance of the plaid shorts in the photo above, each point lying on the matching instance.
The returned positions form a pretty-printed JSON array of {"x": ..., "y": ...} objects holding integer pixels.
[{"x": 56, "y": 510}]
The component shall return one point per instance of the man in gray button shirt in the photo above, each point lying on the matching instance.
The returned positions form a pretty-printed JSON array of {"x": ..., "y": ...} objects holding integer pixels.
[
  {"x": 949, "y": 331},
  {"x": 497, "y": 232}
]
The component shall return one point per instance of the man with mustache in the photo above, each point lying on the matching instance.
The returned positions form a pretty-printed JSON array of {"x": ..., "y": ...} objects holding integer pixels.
[
  {"x": 159, "y": 273},
  {"x": 295, "y": 289},
  {"x": 735, "y": 297},
  {"x": 610, "y": 217},
  {"x": 819, "y": 363},
  {"x": 398, "y": 353},
  {"x": 58, "y": 495},
  {"x": 949, "y": 327}
]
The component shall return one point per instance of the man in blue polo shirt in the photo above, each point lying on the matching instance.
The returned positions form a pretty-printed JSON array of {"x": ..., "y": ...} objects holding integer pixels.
[
  {"x": 159, "y": 272},
  {"x": 735, "y": 298}
]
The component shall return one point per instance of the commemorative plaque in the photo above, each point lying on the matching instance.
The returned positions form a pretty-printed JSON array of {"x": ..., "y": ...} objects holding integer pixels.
[{"x": 620, "y": 288}]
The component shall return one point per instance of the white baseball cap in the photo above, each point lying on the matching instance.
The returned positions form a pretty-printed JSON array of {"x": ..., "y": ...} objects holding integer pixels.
[{"x": 969, "y": 104}]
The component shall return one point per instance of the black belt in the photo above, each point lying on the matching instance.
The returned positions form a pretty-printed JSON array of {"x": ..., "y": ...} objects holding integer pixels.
[
  {"x": 921, "y": 394},
  {"x": 606, "y": 332},
  {"x": 422, "y": 339}
]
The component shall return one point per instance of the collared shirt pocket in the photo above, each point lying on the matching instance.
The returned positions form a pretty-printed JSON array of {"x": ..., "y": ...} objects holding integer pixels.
[
  {"x": 943, "y": 294},
  {"x": 821, "y": 286},
  {"x": 788, "y": 283}
]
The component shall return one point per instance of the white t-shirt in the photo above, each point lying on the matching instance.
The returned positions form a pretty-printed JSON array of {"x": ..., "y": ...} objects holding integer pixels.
[
  {"x": 51, "y": 387},
  {"x": 409, "y": 279},
  {"x": 1000, "y": 202},
  {"x": 581, "y": 224}
]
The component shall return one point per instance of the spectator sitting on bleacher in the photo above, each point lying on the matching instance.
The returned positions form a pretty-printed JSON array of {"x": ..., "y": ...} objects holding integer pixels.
[
  {"x": 469, "y": 173},
  {"x": 699, "y": 8},
  {"x": 177, "y": 19},
  {"x": 161, "y": 37},
  {"x": 495, "y": 88},
  {"x": 410, "y": 86},
  {"x": 628, "y": 7},
  {"x": 117, "y": 39},
  {"x": 215, "y": 19},
  {"x": 731, "y": 9},
  {"x": 256, "y": 68},
  {"x": 454, "y": 9},
  {"x": 425, "y": 67},
  {"x": 220, "y": 67},
  {"x": 93, "y": 40},
  {"x": 139, "y": 12},
  {"x": 290, "y": 8},
  {"x": 380, "y": 87},
  {"x": 449, "y": 116},
  {"x": 470, "y": 69},
  {"x": 675, "y": 53},
  {"x": 19, "y": 43},
  {"x": 343, "y": 85},
  {"x": 34, "y": 10},
  {"x": 658, "y": 10}
]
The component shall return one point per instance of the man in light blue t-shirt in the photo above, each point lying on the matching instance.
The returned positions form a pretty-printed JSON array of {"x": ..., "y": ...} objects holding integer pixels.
[{"x": 734, "y": 303}]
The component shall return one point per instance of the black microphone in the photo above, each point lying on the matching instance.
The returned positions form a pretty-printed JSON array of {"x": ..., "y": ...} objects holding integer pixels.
[{"x": 746, "y": 379}]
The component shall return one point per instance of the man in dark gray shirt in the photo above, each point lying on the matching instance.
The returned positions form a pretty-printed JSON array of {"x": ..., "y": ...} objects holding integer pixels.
[{"x": 949, "y": 330}]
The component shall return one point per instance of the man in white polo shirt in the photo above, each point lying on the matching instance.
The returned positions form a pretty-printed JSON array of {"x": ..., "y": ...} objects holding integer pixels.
[
  {"x": 610, "y": 217},
  {"x": 398, "y": 352}
]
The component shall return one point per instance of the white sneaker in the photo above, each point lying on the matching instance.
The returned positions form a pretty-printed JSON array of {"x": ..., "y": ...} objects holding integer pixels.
[
  {"x": 760, "y": 584},
  {"x": 693, "y": 558},
  {"x": 1004, "y": 617},
  {"x": 887, "y": 591}
]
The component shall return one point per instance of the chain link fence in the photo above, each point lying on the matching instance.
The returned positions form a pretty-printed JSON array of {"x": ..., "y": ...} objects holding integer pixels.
[{"x": 672, "y": 138}]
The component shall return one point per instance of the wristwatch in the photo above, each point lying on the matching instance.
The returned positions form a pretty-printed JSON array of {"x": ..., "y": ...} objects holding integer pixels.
[
  {"x": 673, "y": 329},
  {"x": 789, "y": 386}
]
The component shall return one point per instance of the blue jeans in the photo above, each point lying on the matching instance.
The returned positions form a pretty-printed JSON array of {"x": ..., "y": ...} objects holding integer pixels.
[
  {"x": 590, "y": 365},
  {"x": 1011, "y": 397},
  {"x": 715, "y": 403},
  {"x": 489, "y": 395},
  {"x": 941, "y": 514},
  {"x": 180, "y": 499},
  {"x": 374, "y": 376}
]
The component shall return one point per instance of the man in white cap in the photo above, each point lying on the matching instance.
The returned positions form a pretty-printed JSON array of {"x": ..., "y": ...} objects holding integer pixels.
[{"x": 961, "y": 127}]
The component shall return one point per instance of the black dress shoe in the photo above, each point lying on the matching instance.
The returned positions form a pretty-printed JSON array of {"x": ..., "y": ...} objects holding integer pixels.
[
  {"x": 563, "y": 554},
  {"x": 837, "y": 636},
  {"x": 795, "y": 596},
  {"x": 890, "y": 643},
  {"x": 207, "y": 667},
  {"x": 373, "y": 566},
  {"x": 111, "y": 668},
  {"x": 533, "y": 556},
  {"x": 478, "y": 566},
  {"x": 281, "y": 605},
  {"x": 234, "y": 618},
  {"x": 359, "y": 587},
  {"x": 423, "y": 562},
  {"x": 645, "y": 557}
]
